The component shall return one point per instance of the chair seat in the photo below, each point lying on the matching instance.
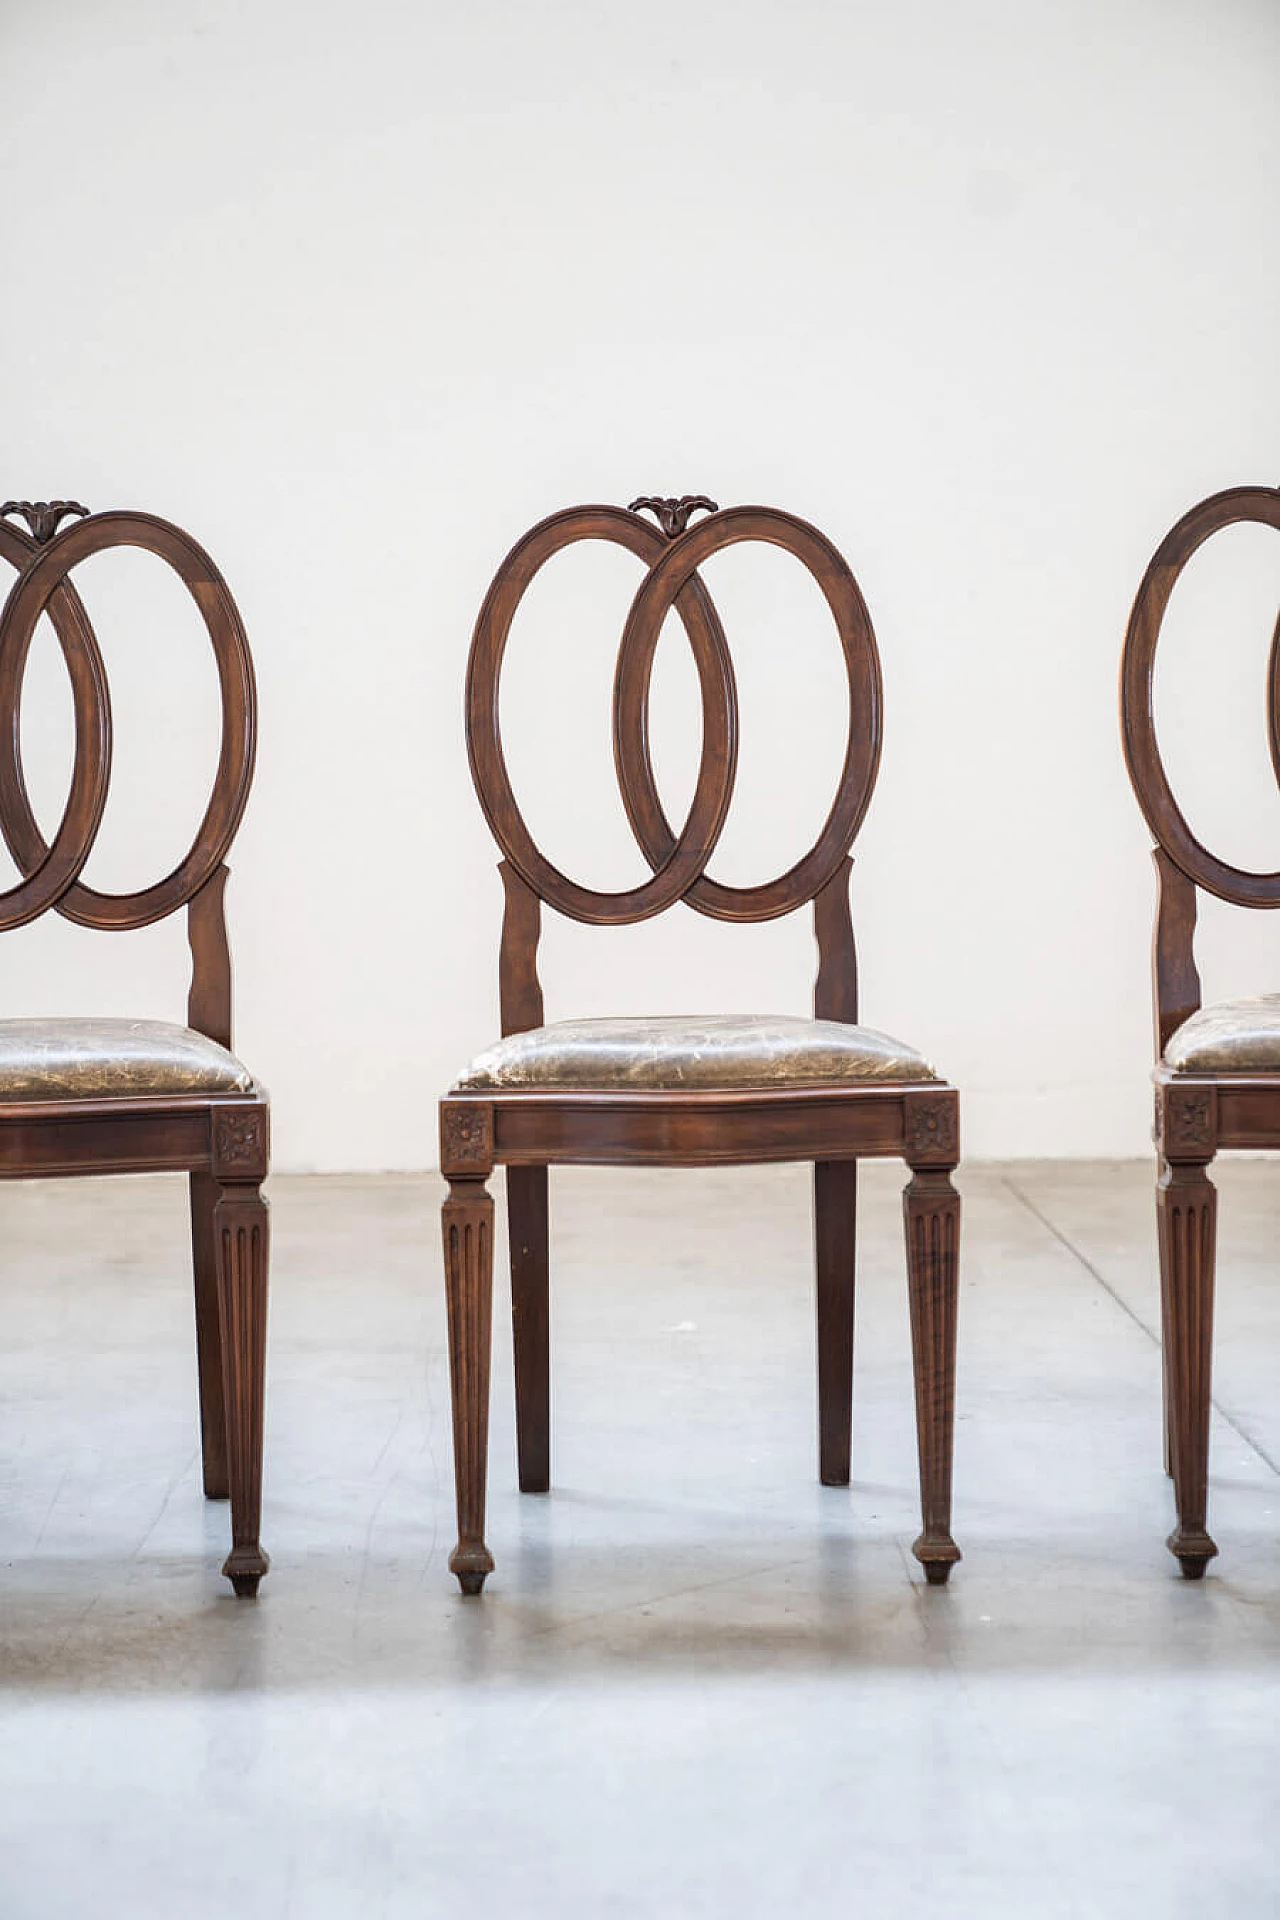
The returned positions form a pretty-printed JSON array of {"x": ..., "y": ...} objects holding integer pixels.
[
  {"x": 1237, "y": 1036},
  {"x": 112, "y": 1059},
  {"x": 1232, "y": 1037},
  {"x": 692, "y": 1054}
]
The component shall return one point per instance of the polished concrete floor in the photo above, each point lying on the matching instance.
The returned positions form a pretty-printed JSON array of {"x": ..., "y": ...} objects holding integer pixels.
[{"x": 698, "y": 1683}]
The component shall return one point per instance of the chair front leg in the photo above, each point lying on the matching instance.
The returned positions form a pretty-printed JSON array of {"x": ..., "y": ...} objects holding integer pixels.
[
  {"x": 931, "y": 1216},
  {"x": 467, "y": 1218},
  {"x": 1187, "y": 1218},
  {"x": 241, "y": 1243}
]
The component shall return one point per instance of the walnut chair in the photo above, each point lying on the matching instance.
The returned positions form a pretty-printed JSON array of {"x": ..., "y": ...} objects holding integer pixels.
[
  {"x": 130, "y": 1096},
  {"x": 710, "y": 1091},
  {"x": 1217, "y": 1073}
]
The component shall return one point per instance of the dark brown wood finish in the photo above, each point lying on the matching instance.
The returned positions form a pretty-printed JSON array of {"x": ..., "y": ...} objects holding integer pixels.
[
  {"x": 1196, "y": 1114},
  {"x": 833, "y": 1127},
  {"x": 221, "y": 1141}
]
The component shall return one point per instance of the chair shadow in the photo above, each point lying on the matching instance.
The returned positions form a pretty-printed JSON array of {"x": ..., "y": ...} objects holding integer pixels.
[{"x": 585, "y": 1612}]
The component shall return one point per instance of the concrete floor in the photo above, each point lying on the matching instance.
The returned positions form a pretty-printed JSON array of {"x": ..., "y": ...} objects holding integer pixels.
[{"x": 698, "y": 1683}]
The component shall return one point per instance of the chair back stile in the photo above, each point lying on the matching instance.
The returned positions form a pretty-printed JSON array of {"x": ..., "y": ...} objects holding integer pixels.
[{"x": 678, "y": 862}]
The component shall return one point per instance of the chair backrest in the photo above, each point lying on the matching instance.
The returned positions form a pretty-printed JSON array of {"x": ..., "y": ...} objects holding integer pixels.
[
  {"x": 1182, "y": 863},
  {"x": 678, "y": 860},
  {"x": 44, "y": 557}
]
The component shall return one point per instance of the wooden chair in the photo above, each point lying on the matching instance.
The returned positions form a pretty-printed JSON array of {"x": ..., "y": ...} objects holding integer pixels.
[
  {"x": 1217, "y": 1074},
  {"x": 707, "y": 1092},
  {"x": 127, "y": 1096}
]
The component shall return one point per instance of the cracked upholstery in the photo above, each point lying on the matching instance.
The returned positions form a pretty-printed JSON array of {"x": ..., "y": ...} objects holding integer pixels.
[
  {"x": 693, "y": 1054},
  {"x": 1237, "y": 1036},
  {"x": 112, "y": 1059}
]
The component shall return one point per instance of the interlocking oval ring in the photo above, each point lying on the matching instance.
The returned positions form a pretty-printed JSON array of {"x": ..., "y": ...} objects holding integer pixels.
[
  {"x": 42, "y": 586},
  {"x": 52, "y": 870},
  {"x": 862, "y": 747},
  {"x": 687, "y": 855},
  {"x": 1260, "y": 506}
]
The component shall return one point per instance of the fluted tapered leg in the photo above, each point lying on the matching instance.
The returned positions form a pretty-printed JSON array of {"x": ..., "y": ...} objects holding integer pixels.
[
  {"x": 213, "y": 1409},
  {"x": 527, "y": 1237},
  {"x": 835, "y": 1220},
  {"x": 468, "y": 1264},
  {"x": 931, "y": 1213},
  {"x": 240, "y": 1234},
  {"x": 1187, "y": 1210}
]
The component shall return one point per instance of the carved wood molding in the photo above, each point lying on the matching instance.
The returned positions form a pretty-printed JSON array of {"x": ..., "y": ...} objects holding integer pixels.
[
  {"x": 1186, "y": 1122},
  {"x": 931, "y": 1128},
  {"x": 466, "y": 1138},
  {"x": 240, "y": 1143}
]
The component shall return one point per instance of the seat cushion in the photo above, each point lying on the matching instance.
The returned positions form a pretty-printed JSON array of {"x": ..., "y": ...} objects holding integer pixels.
[
  {"x": 112, "y": 1059},
  {"x": 693, "y": 1054},
  {"x": 1238, "y": 1036}
]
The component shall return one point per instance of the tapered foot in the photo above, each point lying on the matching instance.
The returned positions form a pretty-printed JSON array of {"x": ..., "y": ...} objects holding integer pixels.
[
  {"x": 1193, "y": 1549},
  {"x": 472, "y": 1565},
  {"x": 937, "y": 1554},
  {"x": 244, "y": 1568}
]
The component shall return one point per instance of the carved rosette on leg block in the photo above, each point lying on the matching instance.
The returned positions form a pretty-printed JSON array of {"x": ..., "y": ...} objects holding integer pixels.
[
  {"x": 931, "y": 1218},
  {"x": 466, "y": 1160},
  {"x": 1187, "y": 1218}
]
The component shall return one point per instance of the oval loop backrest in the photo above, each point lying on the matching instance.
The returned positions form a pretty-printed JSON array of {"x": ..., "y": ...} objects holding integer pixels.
[
  {"x": 43, "y": 586},
  {"x": 1257, "y": 505},
  {"x": 679, "y": 861}
]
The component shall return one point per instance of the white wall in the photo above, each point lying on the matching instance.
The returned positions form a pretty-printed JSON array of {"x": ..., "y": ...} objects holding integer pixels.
[{"x": 989, "y": 291}]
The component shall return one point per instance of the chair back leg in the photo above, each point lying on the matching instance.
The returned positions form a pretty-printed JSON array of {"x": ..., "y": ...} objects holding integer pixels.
[
  {"x": 835, "y": 1223},
  {"x": 527, "y": 1234},
  {"x": 213, "y": 1412}
]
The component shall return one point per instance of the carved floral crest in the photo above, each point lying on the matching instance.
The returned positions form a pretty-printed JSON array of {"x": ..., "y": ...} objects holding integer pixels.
[
  {"x": 44, "y": 517},
  {"x": 673, "y": 514}
]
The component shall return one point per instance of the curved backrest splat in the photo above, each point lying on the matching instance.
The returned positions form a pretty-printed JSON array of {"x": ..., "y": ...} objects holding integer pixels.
[{"x": 678, "y": 860}]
